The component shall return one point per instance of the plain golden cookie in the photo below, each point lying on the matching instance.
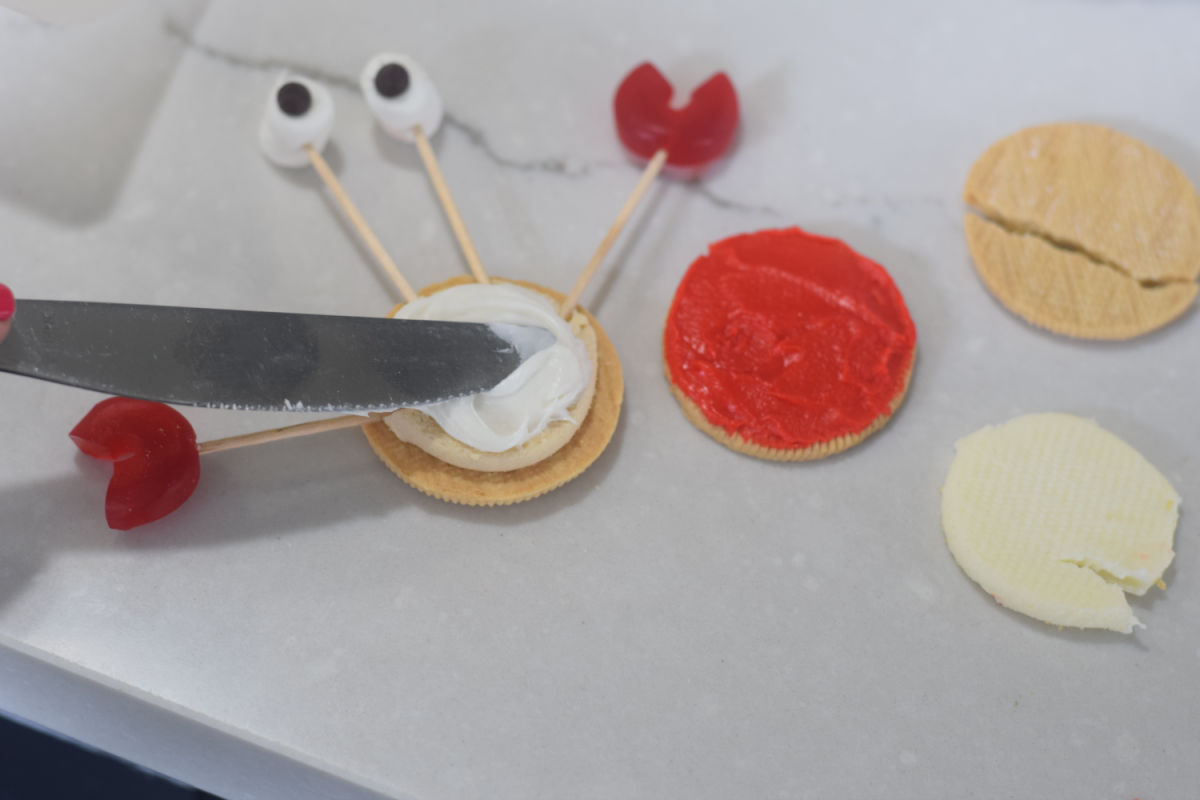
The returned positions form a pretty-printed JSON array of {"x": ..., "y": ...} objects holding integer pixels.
[
  {"x": 469, "y": 487},
  {"x": 1084, "y": 231}
]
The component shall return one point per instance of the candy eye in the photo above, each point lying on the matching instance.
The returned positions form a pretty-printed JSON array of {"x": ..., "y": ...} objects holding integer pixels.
[
  {"x": 299, "y": 112},
  {"x": 401, "y": 96},
  {"x": 294, "y": 99},
  {"x": 392, "y": 80}
]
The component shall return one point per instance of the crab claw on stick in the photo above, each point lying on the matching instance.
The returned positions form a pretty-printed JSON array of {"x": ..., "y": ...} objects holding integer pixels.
[
  {"x": 691, "y": 138},
  {"x": 156, "y": 459}
]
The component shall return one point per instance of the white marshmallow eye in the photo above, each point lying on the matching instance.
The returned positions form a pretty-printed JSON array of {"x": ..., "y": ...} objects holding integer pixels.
[
  {"x": 401, "y": 96},
  {"x": 299, "y": 112}
]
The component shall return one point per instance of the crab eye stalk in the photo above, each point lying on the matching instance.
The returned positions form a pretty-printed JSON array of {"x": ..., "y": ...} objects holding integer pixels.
[
  {"x": 401, "y": 96},
  {"x": 299, "y": 113}
]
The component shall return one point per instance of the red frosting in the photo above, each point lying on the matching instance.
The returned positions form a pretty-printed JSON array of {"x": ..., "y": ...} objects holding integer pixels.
[{"x": 788, "y": 339}]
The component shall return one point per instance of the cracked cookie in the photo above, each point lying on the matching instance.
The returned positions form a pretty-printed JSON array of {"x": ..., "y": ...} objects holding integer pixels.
[
  {"x": 1084, "y": 231},
  {"x": 1057, "y": 518}
]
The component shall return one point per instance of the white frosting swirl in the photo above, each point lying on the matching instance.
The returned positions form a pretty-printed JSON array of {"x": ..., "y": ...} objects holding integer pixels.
[{"x": 538, "y": 392}]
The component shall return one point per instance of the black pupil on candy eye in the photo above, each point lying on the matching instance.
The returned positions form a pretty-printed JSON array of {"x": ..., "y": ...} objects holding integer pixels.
[
  {"x": 294, "y": 99},
  {"x": 391, "y": 80}
]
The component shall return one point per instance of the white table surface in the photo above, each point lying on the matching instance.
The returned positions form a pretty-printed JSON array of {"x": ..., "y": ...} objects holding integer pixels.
[{"x": 680, "y": 621}]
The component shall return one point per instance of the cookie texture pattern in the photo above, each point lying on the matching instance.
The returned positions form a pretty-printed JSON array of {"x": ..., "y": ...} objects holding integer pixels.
[{"x": 1057, "y": 518}]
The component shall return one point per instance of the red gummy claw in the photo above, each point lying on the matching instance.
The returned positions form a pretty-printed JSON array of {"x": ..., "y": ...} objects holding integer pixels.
[
  {"x": 694, "y": 136},
  {"x": 8, "y": 303},
  {"x": 156, "y": 465}
]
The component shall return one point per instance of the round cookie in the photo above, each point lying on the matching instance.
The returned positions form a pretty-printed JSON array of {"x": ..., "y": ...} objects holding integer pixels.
[
  {"x": 470, "y": 487},
  {"x": 787, "y": 346},
  {"x": 1057, "y": 518},
  {"x": 1084, "y": 231}
]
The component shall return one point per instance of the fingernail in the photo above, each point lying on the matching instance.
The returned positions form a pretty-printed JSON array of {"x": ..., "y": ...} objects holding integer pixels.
[{"x": 7, "y": 303}]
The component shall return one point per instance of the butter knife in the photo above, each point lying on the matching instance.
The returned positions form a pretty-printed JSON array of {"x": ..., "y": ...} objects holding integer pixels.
[{"x": 261, "y": 360}]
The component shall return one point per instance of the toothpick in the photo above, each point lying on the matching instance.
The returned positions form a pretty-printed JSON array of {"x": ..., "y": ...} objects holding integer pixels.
[
  {"x": 289, "y": 432},
  {"x": 610, "y": 238},
  {"x": 360, "y": 225},
  {"x": 443, "y": 193}
]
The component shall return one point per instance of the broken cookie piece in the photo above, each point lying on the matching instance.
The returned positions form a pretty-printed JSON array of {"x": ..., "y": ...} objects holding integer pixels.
[
  {"x": 1084, "y": 231},
  {"x": 1067, "y": 292},
  {"x": 1057, "y": 518}
]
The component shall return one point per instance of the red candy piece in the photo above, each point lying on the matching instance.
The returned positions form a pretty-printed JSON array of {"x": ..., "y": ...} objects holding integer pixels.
[
  {"x": 693, "y": 136},
  {"x": 156, "y": 463}
]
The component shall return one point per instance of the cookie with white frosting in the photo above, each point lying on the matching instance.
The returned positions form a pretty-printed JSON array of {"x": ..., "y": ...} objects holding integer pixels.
[
  {"x": 443, "y": 467},
  {"x": 528, "y": 416}
]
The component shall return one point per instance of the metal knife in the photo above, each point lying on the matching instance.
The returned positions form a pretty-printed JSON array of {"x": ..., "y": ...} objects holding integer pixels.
[{"x": 261, "y": 360}]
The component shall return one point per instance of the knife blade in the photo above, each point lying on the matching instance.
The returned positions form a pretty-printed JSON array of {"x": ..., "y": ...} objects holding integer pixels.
[{"x": 261, "y": 360}]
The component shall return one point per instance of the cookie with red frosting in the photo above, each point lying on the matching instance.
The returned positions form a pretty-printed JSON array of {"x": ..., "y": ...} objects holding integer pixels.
[{"x": 788, "y": 346}]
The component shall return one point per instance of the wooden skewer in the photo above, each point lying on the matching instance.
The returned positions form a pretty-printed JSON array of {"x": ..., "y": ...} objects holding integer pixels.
[
  {"x": 648, "y": 175},
  {"x": 376, "y": 247},
  {"x": 360, "y": 225},
  {"x": 289, "y": 432},
  {"x": 443, "y": 192},
  {"x": 354, "y": 420}
]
